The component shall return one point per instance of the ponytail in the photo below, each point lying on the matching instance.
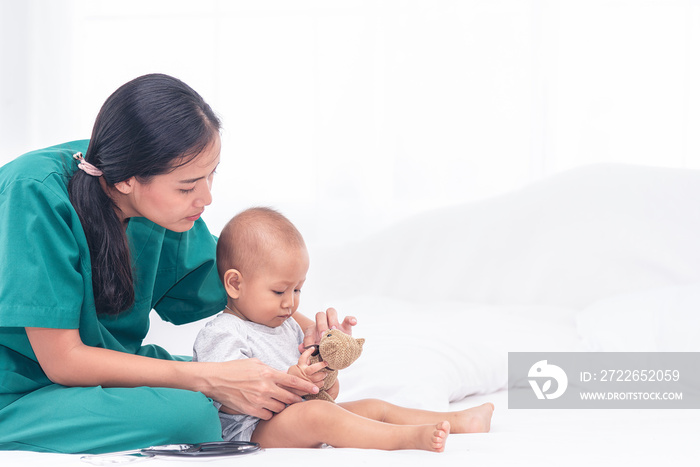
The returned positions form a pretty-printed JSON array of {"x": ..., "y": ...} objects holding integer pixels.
[
  {"x": 112, "y": 280},
  {"x": 149, "y": 126}
]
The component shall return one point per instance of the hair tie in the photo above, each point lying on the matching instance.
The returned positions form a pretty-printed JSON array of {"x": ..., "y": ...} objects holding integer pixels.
[{"x": 85, "y": 166}]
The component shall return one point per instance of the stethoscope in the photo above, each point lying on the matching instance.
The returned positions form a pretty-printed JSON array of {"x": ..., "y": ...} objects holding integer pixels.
[{"x": 213, "y": 449}]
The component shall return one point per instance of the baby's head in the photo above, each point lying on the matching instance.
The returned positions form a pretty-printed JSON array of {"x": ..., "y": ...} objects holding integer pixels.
[{"x": 262, "y": 261}]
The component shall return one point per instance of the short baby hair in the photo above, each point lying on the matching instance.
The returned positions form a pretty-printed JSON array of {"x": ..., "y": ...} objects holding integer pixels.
[{"x": 250, "y": 237}]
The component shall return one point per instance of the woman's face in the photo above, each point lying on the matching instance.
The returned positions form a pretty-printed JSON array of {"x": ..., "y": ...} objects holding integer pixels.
[{"x": 174, "y": 200}]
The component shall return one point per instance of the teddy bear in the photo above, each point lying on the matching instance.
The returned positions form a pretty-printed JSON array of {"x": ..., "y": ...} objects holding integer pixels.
[{"x": 339, "y": 350}]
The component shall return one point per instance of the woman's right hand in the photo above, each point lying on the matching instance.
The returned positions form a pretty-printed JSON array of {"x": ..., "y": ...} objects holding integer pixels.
[
  {"x": 243, "y": 386},
  {"x": 250, "y": 387}
]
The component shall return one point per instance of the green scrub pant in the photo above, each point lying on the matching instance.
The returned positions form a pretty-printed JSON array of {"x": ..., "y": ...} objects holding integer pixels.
[{"x": 98, "y": 420}]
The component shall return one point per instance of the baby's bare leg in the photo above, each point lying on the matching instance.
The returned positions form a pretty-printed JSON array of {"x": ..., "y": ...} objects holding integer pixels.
[
  {"x": 313, "y": 423},
  {"x": 474, "y": 420}
]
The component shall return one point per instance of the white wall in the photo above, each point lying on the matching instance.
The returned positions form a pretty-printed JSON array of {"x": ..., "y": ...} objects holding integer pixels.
[{"x": 348, "y": 115}]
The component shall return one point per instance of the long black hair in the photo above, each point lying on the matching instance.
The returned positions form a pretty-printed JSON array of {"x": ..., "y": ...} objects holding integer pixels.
[{"x": 147, "y": 127}]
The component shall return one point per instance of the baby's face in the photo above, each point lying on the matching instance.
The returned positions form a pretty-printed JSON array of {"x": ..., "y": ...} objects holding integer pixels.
[{"x": 271, "y": 294}]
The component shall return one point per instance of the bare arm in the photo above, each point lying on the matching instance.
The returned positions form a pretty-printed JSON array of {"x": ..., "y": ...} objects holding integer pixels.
[{"x": 246, "y": 386}]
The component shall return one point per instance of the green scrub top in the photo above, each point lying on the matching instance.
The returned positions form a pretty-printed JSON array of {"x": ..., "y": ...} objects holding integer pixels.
[{"x": 46, "y": 276}]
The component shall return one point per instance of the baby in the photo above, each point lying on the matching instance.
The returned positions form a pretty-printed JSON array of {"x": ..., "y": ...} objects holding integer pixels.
[{"x": 263, "y": 261}]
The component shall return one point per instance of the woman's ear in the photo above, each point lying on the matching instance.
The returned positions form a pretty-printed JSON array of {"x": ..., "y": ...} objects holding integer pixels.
[
  {"x": 126, "y": 187},
  {"x": 232, "y": 283}
]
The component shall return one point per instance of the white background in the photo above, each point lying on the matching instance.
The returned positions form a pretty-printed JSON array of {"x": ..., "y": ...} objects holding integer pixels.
[{"x": 349, "y": 115}]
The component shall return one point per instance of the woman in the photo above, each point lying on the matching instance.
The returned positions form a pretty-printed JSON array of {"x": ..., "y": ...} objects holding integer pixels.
[{"x": 89, "y": 245}]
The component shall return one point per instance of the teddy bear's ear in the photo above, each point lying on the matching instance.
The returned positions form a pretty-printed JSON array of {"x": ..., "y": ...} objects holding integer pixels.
[{"x": 360, "y": 341}]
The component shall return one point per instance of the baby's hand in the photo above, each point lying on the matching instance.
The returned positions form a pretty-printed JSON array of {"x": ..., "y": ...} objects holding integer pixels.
[{"x": 308, "y": 372}]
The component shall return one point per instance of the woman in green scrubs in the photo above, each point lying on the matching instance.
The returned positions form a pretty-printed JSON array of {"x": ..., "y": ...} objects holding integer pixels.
[{"x": 91, "y": 244}]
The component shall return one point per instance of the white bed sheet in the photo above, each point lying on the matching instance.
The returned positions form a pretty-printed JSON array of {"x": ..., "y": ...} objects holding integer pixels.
[
  {"x": 463, "y": 350},
  {"x": 517, "y": 437}
]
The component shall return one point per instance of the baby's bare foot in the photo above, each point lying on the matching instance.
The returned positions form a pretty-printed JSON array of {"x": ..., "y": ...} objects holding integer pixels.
[
  {"x": 439, "y": 436},
  {"x": 474, "y": 420}
]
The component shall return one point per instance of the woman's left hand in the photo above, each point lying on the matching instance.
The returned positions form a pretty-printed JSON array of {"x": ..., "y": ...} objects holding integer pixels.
[{"x": 325, "y": 321}]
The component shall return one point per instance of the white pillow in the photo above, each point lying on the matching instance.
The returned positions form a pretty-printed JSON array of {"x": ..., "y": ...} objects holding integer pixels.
[
  {"x": 427, "y": 355},
  {"x": 664, "y": 319}
]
